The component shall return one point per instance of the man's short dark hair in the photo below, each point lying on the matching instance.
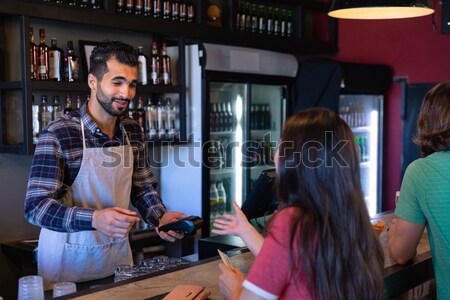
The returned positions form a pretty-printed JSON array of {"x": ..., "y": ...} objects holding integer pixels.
[{"x": 124, "y": 54}]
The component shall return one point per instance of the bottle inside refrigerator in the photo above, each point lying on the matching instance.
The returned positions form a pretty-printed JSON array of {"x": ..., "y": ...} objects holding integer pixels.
[{"x": 364, "y": 115}]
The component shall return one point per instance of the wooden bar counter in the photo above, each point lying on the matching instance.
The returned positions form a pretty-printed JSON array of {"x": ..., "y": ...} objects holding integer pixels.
[{"x": 206, "y": 273}]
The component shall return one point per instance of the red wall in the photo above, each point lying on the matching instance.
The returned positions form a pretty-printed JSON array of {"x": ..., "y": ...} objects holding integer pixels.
[{"x": 414, "y": 50}]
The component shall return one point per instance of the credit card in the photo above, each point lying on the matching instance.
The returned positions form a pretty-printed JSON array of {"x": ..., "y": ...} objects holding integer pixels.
[{"x": 226, "y": 260}]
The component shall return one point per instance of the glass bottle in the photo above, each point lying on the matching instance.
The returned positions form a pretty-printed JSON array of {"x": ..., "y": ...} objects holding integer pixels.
[
  {"x": 79, "y": 102},
  {"x": 242, "y": 17},
  {"x": 35, "y": 120},
  {"x": 166, "y": 74},
  {"x": 72, "y": 2},
  {"x": 57, "y": 108},
  {"x": 151, "y": 119},
  {"x": 261, "y": 20},
  {"x": 170, "y": 119},
  {"x": 213, "y": 199},
  {"x": 248, "y": 17},
  {"x": 84, "y": 3},
  {"x": 167, "y": 9},
  {"x": 222, "y": 199},
  {"x": 155, "y": 65},
  {"x": 140, "y": 114},
  {"x": 230, "y": 117},
  {"x": 129, "y": 6},
  {"x": 283, "y": 23},
  {"x": 175, "y": 9},
  {"x": 43, "y": 61},
  {"x": 190, "y": 11},
  {"x": 120, "y": 5},
  {"x": 213, "y": 118},
  {"x": 130, "y": 110},
  {"x": 68, "y": 108},
  {"x": 71, "y": 64},
  {"x": 289, "y": 25},
  {"x": 156, "y": 8},
  {"x": 138, "y": 7},
  {"x": 96, "y": 4},
  {"x": 254, "y": 20},
  {"x": 33, "y": 55},
  {"x": 45, "y": 113},
  {"x": 142, "y": 66},
  {"x": 162, "y": 117},
  {"x": 183, "y": 10},
  {"x": 56, "y": 61},
  {"x": 147, "y": 7},
  {"x": 276, "y": 22},
  {"x": 269, "y": 21}
]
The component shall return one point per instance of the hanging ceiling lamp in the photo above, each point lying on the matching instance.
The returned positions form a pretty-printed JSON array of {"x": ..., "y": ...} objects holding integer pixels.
[{"x": 379, "y": 9}]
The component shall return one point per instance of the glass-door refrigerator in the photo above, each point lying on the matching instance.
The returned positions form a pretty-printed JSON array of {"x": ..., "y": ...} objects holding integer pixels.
[
  {"x": 364, "y": 115},
  {"x": 245, "y": 101}
]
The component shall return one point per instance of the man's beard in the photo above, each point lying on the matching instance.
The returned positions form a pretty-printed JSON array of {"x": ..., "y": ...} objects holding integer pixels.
[{"x": 107, "y": 104}]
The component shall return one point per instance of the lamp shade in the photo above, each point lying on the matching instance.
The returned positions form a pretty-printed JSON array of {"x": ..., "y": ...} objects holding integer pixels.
[{"x": 379, "y": 9}]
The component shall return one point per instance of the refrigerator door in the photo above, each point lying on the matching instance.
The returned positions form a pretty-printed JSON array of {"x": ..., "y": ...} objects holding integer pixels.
[
  {"x": 267, "y": 116},
  {"x": 227, "y": 119},
  {"x": 364, "y": 114}
]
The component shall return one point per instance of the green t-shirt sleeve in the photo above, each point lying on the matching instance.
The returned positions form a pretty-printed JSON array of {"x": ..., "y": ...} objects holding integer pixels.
[{"x": 408, "y": 206}]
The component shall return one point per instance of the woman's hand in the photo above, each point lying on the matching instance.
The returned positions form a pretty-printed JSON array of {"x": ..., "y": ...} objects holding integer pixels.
[
  {"x": 232, "y": 224},
  {"x": 230, "y": 282}
]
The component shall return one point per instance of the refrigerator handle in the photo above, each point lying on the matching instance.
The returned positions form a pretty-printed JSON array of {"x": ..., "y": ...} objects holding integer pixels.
[
  {"x": 201, "y": 55},
  {"x": 284, "y": 103},
  {"x": 402, "y": 82}
]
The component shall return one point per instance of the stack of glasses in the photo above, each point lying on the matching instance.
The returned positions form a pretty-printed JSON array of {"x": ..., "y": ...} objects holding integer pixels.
[{"x": 147, "y": 266}]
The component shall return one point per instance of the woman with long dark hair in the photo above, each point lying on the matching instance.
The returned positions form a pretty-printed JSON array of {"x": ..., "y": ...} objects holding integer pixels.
[
  {"x": 320, "y": 244},
  {"x": 425, "y": 191}
]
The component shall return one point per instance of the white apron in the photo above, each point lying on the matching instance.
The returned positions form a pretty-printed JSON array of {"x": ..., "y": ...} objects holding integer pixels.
[{"x": 104, "y": 180}]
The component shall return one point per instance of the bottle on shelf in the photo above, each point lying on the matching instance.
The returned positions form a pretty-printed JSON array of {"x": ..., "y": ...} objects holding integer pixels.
[
  {"x": 84, "y": 3},
  {"x": 248, "y": 17},
  {"x": 147, "y": 7},
  {"x": 71, "y": 64},
  {"x": 241, "y": 17},
  {"x": 222, "y": 200},
  {"x": 131, "y": 110},
  {"x": 213, "y": 199},
  {"x": 68, "y": 108},
  {"x": 95, "y": 4},
  {"x": 157, "y": 8},
  {"x": 269, "y": 21},
  {"x": 261, "y": 20},
  {"x": 167, "y": 9},
  {"x": 138, "y": 7},
  {"x": 162, "y": 118},
  {"x": 166, "y": 74},
  {"x": 268, "y": 121},
  {"x": 283, "y": 22},
  {"x": 213, "y": 117},
  {"x": 183, "y": 11},
  {"x": 142, "y": 66},
  {"x": 120, "y": 6},
  {"x": 289, "y": 25},
  {"x": 56, "y": 61},
  {"x": 43, "y": 60},
  {"x": 221, "y": 117},
  {"x": 72, "y": 2},
  {"x": 140, "y": 113},
  {"x": 57, "y": 108},
  {"x": 155, "y": 64},
  {"x": 276, "y": 22},
  {"x": 230, "y": 117},
  {"x": 33, "y": 55},
  {"x": 35, "y": 120},
  {"x": 190, "y": 11},
  {"x": 129, "y": 6},
  {"x": 172, "y": 131},
  {"x": 175, "y": 9},
  {"x": 151, "y": 119},
  {"x": 254, "y": 19},
  {"x": 78, "y": 102},
  {"x": 45, "y": 113}
]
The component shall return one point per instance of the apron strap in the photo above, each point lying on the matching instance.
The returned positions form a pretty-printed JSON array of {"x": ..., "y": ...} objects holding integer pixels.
[{"x": 82, "y": 133}]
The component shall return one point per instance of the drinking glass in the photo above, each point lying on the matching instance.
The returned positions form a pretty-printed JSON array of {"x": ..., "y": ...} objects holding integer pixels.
[
  {"x": 31, "y": 288},
  {"x": 64, "y": 288}
]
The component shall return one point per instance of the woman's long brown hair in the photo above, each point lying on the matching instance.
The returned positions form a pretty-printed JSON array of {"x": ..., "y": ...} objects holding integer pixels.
[{"x": 318, "y": 171}]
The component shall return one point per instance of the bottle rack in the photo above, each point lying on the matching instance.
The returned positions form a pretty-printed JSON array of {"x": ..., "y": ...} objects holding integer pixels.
[{"x": 25, "y": 13}]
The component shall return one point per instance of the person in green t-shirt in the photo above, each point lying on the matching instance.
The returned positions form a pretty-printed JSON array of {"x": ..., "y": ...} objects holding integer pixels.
[{"x": 425, "y": 191}]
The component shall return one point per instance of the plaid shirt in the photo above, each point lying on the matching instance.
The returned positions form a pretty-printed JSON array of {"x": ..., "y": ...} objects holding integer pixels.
[{"x": 56, "y": 163}]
